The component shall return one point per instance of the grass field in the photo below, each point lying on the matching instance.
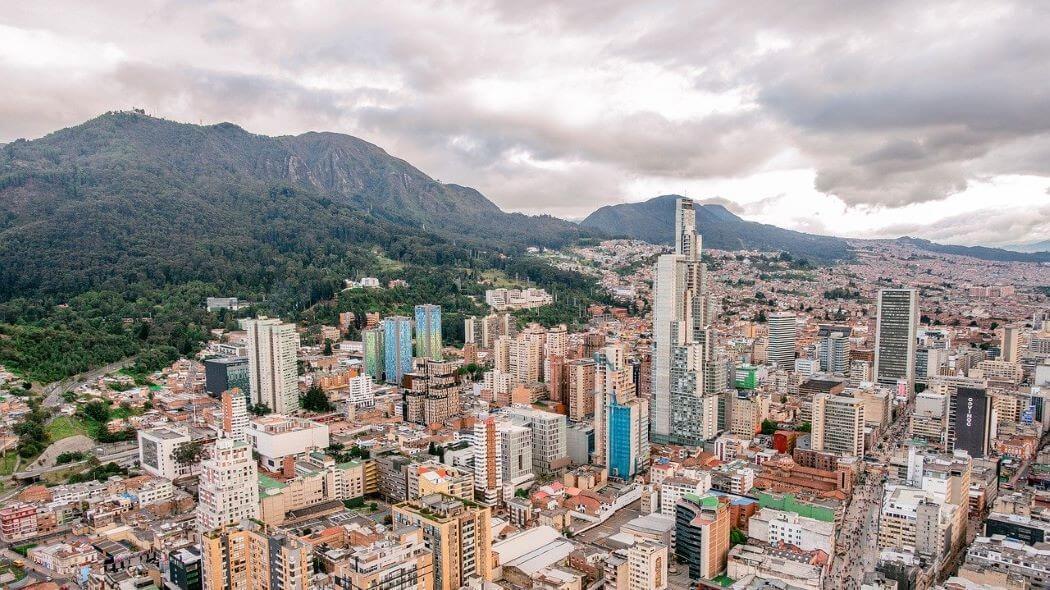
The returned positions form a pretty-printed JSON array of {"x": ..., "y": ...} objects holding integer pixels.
[
  {"x": 65, "y": 427},
  {"x": 7, "y": 464},
  {"x": 499, "y": 279}
]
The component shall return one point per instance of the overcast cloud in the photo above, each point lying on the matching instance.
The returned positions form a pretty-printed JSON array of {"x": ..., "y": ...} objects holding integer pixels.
[{"x": 868, "y": 119}]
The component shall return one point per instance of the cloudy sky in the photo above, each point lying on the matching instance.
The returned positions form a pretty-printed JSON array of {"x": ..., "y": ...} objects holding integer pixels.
[{"x": 877, "y": 119}]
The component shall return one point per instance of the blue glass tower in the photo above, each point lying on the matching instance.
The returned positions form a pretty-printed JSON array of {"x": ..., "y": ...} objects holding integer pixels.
[
  {"x": 397, "y": 343},
  {"x": 622, "y": 429},
  {"x": 428, "y": 331}
]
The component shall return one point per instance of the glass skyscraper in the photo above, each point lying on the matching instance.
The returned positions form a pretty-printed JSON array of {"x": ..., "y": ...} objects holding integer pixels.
[
  {"x": 428, "y": 331},
  {"x": 397, "y": 341}
]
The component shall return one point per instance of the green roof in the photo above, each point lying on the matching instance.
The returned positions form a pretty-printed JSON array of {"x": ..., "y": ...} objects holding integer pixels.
[
  {"x": 268, "y": 483},
  {"x": 704, "y": 502}
]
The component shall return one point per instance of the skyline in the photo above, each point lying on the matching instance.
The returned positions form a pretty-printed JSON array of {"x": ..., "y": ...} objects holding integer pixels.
[{"x": 892, "y": 122}]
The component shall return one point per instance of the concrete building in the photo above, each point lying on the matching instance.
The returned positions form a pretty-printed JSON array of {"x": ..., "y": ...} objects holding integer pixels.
[
  {"x": 838, "y": 424},
  {"x": 315, "y": 483},
  {"x": 647, "y": 566},
  {"x": 157, "y": 452},
  {"x": 897, "y": 322},
  {"x": 1013, "y": 558},
  {"x": 549, "y": 433},
  {"x": 702, "y": 526},
  {"x": 459, "y": 533},
  {"x": 275, "y": 437},
  {"x": 373, "y": 352},
  {"x": 673, "y": 489},
  {"x": 272, "y": 369},
  {"x": 235, "y": 416},
  {"x": 581, "y": 376},
  {"x": 432, "y": 394},
  {"x": 833, "y": 349},
  {"x": 398, "y": 560},
  {"x": 782, "y": 335},
  {"x": 488, "y": 460},
  {"x": 228, "y": 487},
  {"x": 249, "y": 557},
  {"x": 775, "y": 526},
  {"x": 225, "y": 373}
]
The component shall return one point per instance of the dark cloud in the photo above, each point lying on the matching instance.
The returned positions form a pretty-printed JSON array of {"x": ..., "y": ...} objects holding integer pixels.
[{"x": 561, "y": 106}]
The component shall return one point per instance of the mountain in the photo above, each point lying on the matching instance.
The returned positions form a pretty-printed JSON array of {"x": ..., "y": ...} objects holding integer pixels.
[
  {"x": 653, "y": 221},
  {"x": 126, "y": 197},
  {"x": 1043, "y": 246},
  {"x": 980, "y": 252}
]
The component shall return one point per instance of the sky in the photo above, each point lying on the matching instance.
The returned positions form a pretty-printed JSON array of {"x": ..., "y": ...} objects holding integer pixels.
[{"x": 865, "y": 119}]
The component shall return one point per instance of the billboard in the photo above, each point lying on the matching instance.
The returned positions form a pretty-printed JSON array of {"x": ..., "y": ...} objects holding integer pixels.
[{"x": 972, "y": 413}]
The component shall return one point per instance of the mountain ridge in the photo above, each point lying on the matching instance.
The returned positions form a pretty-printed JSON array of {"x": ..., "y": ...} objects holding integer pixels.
[{"x": 653, "y": 221}]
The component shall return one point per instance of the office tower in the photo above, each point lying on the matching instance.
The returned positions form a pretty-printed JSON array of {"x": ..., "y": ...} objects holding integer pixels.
[
  {"x": 834, "y": 349},
  {"x": 549, "y": 431},
  {"x": 622, "y": 436},
  {"x": 898, "y": 319},
  {"x": 235, "y": 416},
  {"x": 432, "y": 394},
  {"x": 250, "y": 557},
  {"x": 488, "y": 461},
  {"x": 229, "y": 487},
  {"x": 647, "y": 565},
  {"x": 557, "y": 380},
  {"x": 397, "y": 560},
  {"x": 272, "y": 369},
  {"x": 459, "y": 535},
  {"x": 682, "y": 340},
  {"x": 428, "y": 331},
  {"x": 838, "y": 424},
  {"x": 1011, "y": 342},
  {"x": 781, "y": 349},
  {"x": 373, "y": 352},
  {"x": 397, "y": 344},
  {"x": 223, "y": 374},
  {"x": 972, "y": 421},
  {"x": 516, "y": 451},
  {"x": 702, "y": 526},
  {"x": 581, "y": 377},
  {"x": 185, "y": 568},
  {"x": 613, "y": 375}
]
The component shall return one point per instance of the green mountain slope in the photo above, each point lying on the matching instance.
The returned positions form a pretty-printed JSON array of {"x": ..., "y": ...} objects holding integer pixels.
[{"x": 653, "y": 221}]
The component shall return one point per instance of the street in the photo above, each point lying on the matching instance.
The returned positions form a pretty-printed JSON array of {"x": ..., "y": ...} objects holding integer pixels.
[
  {"x": 53, "y": 392},
  {"x": 856, "y": 549}
]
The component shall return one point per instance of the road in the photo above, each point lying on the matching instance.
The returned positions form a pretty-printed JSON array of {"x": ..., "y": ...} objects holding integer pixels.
[
  {"x": 856, "y": 549},
  {"x": 53, "y": 392}
]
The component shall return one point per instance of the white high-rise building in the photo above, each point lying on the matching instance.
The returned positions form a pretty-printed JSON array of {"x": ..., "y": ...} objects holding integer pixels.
[
  {"x": 157, "y": 452},
  {"x": 549, "y": 444},
  {"x": 682, "y": 343},
  {"x": 229, "y": 486},
  {"x": 898, "y": 320},
  {"x": 272, "y": 368},
  {"x": 1011, "y": 342},
  {"x": 781, "y": 349}
]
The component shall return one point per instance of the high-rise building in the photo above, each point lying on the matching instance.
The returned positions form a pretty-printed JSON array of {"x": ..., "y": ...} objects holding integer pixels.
[
  {"x": 235, "y": 416},
  {"x": 250, "y": 557},
  {"x": 428, "y": 331},
  {"x": 549, "y": 444},
  {"x": 374, "y": 352},
  {"x": 488, "y": 461},
  {"x": 702, "y": 528},
  {"x": 898, "y": 319},
  {"x": 272, "y": 368},
  {"x": 555, "y": 346},
  {"x": 581, "y": 377},
  {"x": 459, "y": 535},
  {"x": 971, "y": 421},
  {"x": 838, "y": 424},
  {"x": 834, "y": 349},
  {"x": 623, "y": 438},
  {"x": 397, "y": 344},
  {"x": 222, "y": 374},
  {"x": 1011, "y": 342},
  {"x": 432, "y": 394},
  {"x": 647, "y": 565},
  {"x": 229, "y": 486},
  {"x": 781, "y": 349}
]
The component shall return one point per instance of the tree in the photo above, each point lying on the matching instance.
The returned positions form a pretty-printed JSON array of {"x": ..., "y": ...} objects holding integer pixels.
[
  {"x": 260, "y": 409},
  {"x": 97, "y": 411},
  {"x": 737, "y": 537},
  {"x": 804, "y": 427},
  {"x": 316, "y": 400},
  {"x": 188, "y": 453},
  {"x": 768, "y": 426},
  {"x": 27, "y": 385},
  {"x": 327, "y": 347}
]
